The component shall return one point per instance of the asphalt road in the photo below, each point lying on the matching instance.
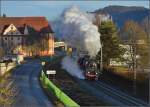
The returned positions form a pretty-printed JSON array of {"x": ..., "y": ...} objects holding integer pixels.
[{"x": 30, "y": 93}]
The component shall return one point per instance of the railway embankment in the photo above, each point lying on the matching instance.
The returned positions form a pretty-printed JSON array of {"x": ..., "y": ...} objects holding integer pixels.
[
  {"x": 124, "y": 81},
  {"x": 71, "y": 88},
  {"x": 85, "y": 93},
  {"x": 50, "y": 86}
]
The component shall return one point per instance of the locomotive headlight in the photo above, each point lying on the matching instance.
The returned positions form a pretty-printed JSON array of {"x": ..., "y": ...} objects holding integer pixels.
[
  {"x": 88, "y": 72},
  {"x": 96, "y": 73}
]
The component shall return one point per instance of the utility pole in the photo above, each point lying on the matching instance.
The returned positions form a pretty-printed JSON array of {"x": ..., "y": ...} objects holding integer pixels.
[
  {"x": 101, "y": 63},
  {"x": 133, "y": 50},
  {"x": 134, "y": 67}
]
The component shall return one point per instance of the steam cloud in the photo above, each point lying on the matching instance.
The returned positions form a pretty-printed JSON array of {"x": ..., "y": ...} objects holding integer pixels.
[
  {"x": 71, "y": 66},
  {"x": 77, "y": 30}
]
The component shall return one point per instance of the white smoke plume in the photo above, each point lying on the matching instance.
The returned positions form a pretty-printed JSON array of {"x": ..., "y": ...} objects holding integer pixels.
[
  {"x": 71, "y": 66},
  {"x": 77, "y": 30}
]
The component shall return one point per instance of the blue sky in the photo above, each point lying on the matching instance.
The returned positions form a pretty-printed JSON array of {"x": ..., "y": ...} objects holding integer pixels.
[{"x": 52, "y": 9}]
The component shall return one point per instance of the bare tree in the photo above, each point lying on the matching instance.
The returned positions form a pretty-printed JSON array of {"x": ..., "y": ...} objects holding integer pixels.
[{"x": 7, "y": 92}]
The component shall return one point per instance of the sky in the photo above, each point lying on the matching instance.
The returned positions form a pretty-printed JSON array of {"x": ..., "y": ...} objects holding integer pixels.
[{"x": 52, "y": 9}]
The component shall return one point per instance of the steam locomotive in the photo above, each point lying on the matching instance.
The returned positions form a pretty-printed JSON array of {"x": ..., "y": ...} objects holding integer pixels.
[
  {"x": 90, "y": 68},
  {"x": 89, "y": 65}
]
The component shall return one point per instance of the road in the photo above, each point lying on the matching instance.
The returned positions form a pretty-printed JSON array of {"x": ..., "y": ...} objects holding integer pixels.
[{"x": 27, "y": 83}]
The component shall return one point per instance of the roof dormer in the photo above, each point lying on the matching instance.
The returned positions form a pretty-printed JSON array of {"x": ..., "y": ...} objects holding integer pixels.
[
  {"x": 26, "y": 32},
  {"x": 11, "y": 30}
]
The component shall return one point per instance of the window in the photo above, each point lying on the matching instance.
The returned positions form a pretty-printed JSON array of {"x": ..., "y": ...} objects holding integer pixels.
[{"x": 11, "y": 38}]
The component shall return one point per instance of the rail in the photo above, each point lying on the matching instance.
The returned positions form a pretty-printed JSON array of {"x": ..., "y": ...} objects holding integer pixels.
[{"x": 126, "y": 99}]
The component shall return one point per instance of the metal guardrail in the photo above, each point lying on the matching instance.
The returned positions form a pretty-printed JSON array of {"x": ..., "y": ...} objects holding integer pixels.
[{"x": 66, "y": 100}]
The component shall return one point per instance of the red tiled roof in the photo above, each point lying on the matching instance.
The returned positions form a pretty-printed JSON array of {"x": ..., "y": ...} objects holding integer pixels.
[{"x": 38, "y": 23}]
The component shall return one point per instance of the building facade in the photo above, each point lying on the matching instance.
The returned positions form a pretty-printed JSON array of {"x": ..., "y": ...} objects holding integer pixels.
[
  {"x": 26, "y": 35},
  {"x": 98, "y": 18}
]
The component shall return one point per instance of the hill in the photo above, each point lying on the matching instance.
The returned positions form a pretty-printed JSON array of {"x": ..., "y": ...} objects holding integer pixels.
[{"x": 121, "y": 14}]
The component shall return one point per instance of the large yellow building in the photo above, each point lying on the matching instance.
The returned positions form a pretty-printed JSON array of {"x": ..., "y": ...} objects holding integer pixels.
[{"x": 16, "y": 32}]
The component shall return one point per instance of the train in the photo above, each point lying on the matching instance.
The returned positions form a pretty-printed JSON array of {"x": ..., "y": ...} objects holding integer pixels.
[{"x": 89, "y": 67}]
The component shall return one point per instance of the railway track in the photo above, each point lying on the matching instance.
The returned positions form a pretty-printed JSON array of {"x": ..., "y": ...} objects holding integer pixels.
[
  {"x": 118, "y": 95},
  {"x": 95, "y": 91},
  {"x": 127, "y": 86},
  {"x": 69, "y": 86}
]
